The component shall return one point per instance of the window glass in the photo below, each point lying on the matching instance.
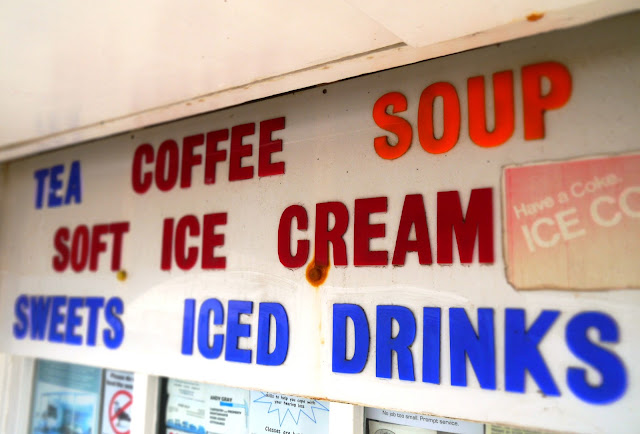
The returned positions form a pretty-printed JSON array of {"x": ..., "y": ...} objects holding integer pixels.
[
  {"x": 66, "y": 398},
  {"x": 76, "y": 399}
]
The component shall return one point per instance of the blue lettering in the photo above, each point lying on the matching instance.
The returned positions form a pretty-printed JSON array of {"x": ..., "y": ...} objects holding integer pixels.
[
  {"x": 40, "y": 307},
  {"x": 94, "y": 304},
  {"x": 236, "y": 330},
  {"x": 21, "y": 327},
  {"x": 73, "y": 321},
  {"x": 59, "y": 318},
  {"x": 41, "y": 177},
  {"x": 74, "y": 186},
  {"x": 611, "y": 368},
  {"x": 53, "y": 188},
  {"x": 56, "y": 319},
  {"x": 479, "y": 347},
  {"x": 340, "y": 363},
  {"x": 210, "y": 306},
  {"x": 279, "y": 353},
  {"x": 113, "y": 338},
  {"x": 522, "y": 354},
  {"x": 55, "y": 184},
  {"x": 188, "y": 321},
  {"x": 431, "y": 321},
  {"x": 386, "y": 344}
]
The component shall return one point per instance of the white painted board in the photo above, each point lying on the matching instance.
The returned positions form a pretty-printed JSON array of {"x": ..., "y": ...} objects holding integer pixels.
[{"x": 583, "y": 339}]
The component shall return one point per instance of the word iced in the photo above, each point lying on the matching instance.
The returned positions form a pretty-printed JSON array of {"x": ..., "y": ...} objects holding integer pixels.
[
  {"x": 211, "y": 311},
  {"x": 521, "y": 351}
]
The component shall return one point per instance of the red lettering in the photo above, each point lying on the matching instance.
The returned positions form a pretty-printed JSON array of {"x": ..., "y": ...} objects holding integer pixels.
[
  {"x": 211, "y": 240},
  {"x": 545, "y": 86},
  {"x": 97, "y": 245},
  {"x": 167, "y": 165},
  {"x": 139, "y": 180},
  {"x": 364, "y": 231},
  {"x": 332, "y": 221},
  {"x": 324, "y": 235},
  {"x": 268, "y": 146},
  {"x": 394, "y": 124},
  {"x": 214, "y": 155},
  {"x": 61, "y": 260},
  {"x": 189, "y": 159},
  {"x": 451, "y": 118},
  {"x": 239, "y": 150},
  {"x": 87, "y": 245},
  {"x": 413, "y": 215},
  {"x": 477, "y": 222},
  {"x": 284, "y": 237},
  {"x": 504, "y": 111},
  {"x": 186, "y": 258},
  {"x": 80, "y": 248},
  {"x": 118, "y": 230},
  {"x": 172, "y": 161},
  {"x": 167, "y": 244},
  {"x": 535, "y": 103}
]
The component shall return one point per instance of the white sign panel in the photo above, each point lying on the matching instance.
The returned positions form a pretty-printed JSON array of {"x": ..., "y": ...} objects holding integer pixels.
[
  {"x": 198, "y": 408},
  {"x": 117, "y": 399},
  {"x": 278, "y": 413},
  {"x": 380, "y": 241},
  {"x": 401, "y": 422}
]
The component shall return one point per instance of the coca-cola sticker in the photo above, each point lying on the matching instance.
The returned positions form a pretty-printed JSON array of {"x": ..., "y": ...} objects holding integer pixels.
[{"x": 573, "y": 224}]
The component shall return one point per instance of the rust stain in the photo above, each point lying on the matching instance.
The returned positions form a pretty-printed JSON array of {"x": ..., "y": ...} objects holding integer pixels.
[
  {"x": 535, "y": 16},
  {"x": 121, "y": 275},
  {"x": 316, "y": 273}
]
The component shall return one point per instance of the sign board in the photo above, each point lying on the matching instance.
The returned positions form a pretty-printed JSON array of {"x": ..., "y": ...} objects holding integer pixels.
[
  {"x": 199, "y": 408},
  {"x": 117, "y": 399},
  {"x": 275, "y": 412},
  {"x": 346, "y": 242},
  {"x": 398, "y": 422}
]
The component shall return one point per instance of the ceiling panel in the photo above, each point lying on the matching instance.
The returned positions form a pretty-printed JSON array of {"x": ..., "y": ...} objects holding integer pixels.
[
  {"x": 73, "y": 63},
  {"x": 73, "y": 71}
]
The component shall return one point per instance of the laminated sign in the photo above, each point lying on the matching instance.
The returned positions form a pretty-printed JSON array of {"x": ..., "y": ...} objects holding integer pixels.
[{"x": 117, "y": 399}]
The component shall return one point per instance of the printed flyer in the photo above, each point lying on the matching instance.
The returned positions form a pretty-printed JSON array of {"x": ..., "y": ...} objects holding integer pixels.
[
  {"x": 381, "y": 421},
  {"x": 65, "y": 399},
  {"x": 277, "y": 413},
  {"x": 198, "y": 408}
]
